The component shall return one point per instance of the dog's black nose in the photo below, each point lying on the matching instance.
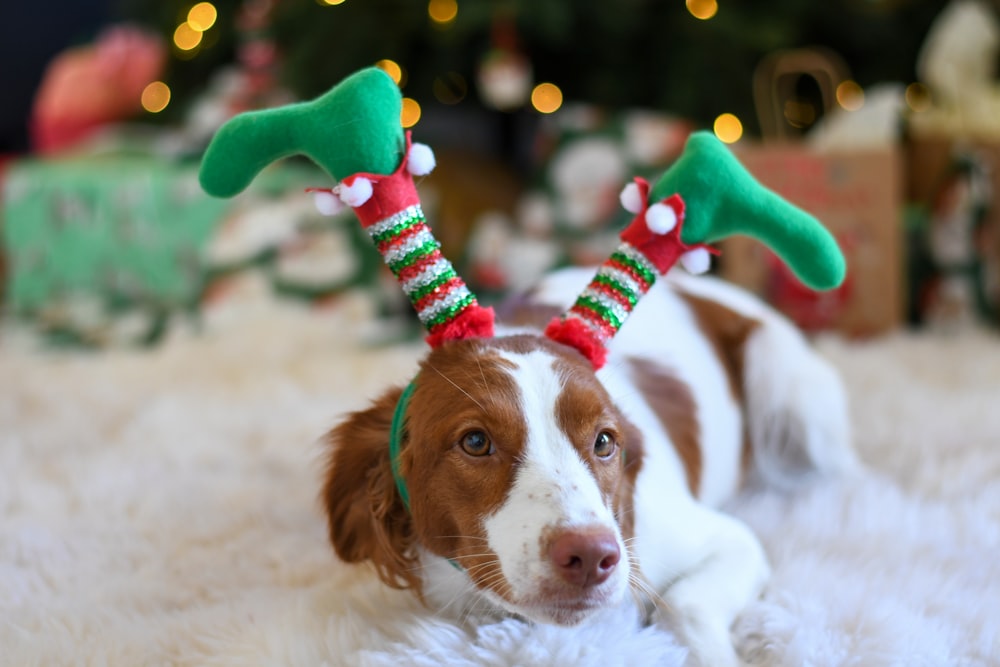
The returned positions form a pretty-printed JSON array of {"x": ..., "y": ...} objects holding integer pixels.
[{"x": 584, "y": 557}]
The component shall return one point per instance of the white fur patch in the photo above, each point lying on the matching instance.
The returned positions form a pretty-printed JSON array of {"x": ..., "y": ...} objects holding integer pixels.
[{"x": 553, "y": 487}]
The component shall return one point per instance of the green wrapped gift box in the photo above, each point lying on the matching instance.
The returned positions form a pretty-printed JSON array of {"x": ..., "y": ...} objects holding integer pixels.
[{"x": 90, "y": 239}]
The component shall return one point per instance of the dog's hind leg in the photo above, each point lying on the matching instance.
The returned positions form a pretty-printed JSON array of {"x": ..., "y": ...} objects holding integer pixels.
[
  {"x": 796, "y": 407},
  {"x": 794, "y": 403}
]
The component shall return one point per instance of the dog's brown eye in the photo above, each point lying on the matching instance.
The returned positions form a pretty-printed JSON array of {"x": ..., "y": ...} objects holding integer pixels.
[
  {"x": 475, "y": 443},
  {"x": 605, "y": 445}
]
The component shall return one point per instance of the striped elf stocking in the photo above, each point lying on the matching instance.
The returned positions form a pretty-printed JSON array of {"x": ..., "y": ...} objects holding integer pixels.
[
  {"x": 651, "y": 245},
  {"x": 388, "y": 208}
]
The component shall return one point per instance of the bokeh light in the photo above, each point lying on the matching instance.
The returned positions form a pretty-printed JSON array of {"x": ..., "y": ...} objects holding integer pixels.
[
  {"x": 442, "y": 12},
  {"x": 546, "y": 97},
  {"x": 186, "y": 37},
  {"x": 202, "y": 16},
  {"x": 850, "y": 95},
  {"x": 409, "y": 115},
  {"x": 728, "y": 128},
  {"x": 155, "y": 97},
  {"x": 331, "y": 3},
  {"x": 392, "y": 68},
  {"x": 702, "y": 9},
  {"x": 918, "y": 97}
]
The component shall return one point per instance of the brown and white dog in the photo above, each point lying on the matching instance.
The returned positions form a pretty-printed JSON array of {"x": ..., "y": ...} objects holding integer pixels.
[{"x": 548, "y": 491}]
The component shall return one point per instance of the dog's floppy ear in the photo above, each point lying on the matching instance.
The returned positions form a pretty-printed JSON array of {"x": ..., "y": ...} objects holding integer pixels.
[{"x": 367, "y": 517}]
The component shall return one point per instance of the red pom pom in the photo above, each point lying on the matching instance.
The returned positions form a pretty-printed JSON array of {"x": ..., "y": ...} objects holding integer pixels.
[
  {"x": 579, "y": 336},
  {"x": 473, "y": 322}
]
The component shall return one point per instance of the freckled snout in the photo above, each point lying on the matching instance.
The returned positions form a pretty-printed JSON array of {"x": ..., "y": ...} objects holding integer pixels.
[{"x": 584, "y": 557}]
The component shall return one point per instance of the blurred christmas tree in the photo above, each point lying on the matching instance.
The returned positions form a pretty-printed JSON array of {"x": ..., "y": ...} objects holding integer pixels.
[{"x": 693, "y": 58}]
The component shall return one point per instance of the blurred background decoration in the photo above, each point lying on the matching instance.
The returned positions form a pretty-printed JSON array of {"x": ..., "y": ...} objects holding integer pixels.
[{"x": 879, "y": 116}]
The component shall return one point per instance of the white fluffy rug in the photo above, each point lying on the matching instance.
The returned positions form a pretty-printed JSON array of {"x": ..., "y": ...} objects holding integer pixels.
[{"x": 160, "y": 508}]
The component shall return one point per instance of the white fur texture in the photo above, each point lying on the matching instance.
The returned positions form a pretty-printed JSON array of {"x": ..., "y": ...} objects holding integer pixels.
[{"x": 160, "y": 508}]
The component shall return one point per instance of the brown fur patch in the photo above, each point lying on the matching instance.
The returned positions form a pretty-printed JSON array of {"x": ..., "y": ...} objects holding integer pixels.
[
  {"x": 674, "y": 405},
  {"x": 727, "y": 331},
  {"x": 522, "y": 311}
]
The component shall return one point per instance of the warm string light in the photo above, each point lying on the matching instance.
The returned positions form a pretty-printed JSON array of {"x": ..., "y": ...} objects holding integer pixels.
[
  {"x": 186, "y": 38},
  {"x": 702, "y": 9},
  {"x": 155, "y": 97},
  {"x": 392, "y": 68},
  {"x": 546, "y": 98},
  {"x": 202, "y": 16},
  {"x": 850, "y": 95},
  {"x": 442, "y": 12},
  {"x": 409, "y": 115},
  {"x": 728, "y": 128},
  {"x": 189, "y": 34}
]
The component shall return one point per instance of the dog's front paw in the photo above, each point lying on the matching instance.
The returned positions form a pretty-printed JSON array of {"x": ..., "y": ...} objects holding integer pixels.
[{"x": 707, "y": 639}]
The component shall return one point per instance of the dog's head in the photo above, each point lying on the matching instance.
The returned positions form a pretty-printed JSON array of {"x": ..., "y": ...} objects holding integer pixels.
[{"x": 519, "y": 469}]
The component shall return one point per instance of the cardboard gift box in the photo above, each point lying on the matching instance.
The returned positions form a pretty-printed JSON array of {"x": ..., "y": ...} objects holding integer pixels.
[{"x": 857, "y": 194}]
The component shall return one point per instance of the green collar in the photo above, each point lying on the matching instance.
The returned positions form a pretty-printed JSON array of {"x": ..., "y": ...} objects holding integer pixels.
[{"x": 395, "y": 441}]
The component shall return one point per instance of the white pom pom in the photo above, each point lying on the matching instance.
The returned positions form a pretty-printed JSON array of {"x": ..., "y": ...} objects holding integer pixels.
[
  {"x": 421, "y": 160},
  {"x": 357, "y": 193},
  {"x": 327, "y": 203},
  {"x": 660, "y": 218},
  {"x": 630, "y": 198},
  {"x": 696, "y": 261}
]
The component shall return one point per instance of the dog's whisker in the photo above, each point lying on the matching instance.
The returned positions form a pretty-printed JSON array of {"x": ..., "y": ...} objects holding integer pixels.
[
  {"x": 479, "y": 567},
  {"x": 482, "y": 374},
  {"x": 493, "y": 573},
  {"x": 455, "y": 385},
  {"x": 489, "y": 555}
]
